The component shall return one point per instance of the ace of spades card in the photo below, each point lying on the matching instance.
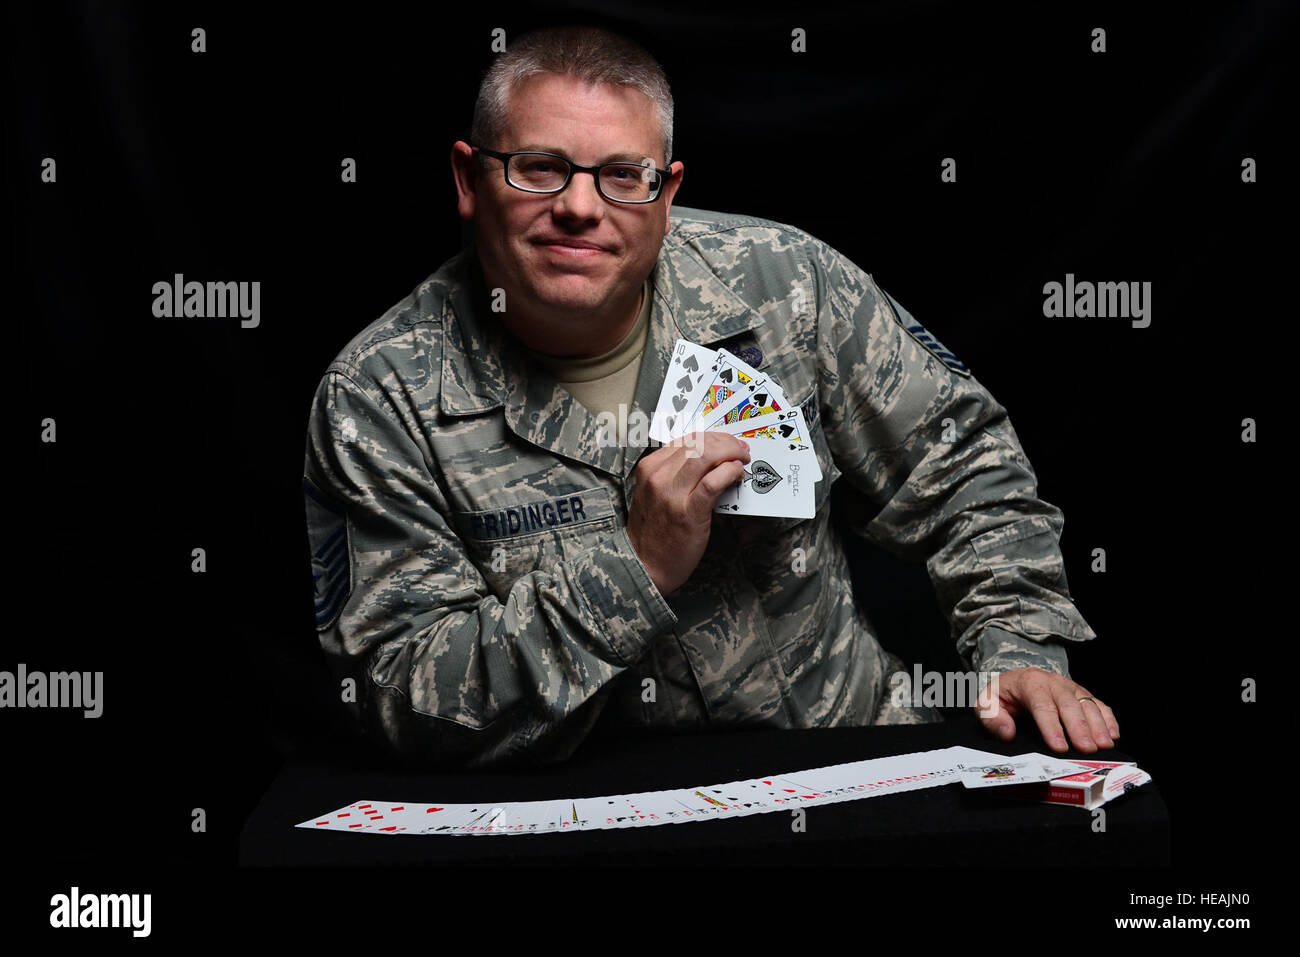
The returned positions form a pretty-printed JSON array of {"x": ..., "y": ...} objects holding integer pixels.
[{"x": 778, "y": 482}]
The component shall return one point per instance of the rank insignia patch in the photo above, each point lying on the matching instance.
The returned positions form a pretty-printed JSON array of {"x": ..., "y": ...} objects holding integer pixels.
[{"x": 929, "y": 342}]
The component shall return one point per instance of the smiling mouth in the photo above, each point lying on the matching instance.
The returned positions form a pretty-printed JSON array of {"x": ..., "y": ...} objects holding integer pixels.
[{"x": 565, "y": 251}]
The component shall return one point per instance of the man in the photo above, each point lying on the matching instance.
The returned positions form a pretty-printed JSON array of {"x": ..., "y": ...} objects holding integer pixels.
[{"x": 497, "y": 577}]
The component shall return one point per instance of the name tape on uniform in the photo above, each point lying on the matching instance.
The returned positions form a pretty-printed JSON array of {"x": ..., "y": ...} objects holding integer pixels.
[{"x": 533, "y": 517}]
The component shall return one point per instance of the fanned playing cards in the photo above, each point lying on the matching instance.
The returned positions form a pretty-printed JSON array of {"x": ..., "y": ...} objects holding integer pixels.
[
  {"x": 854, "y": 781},
  {"x": 709, "y": 802},
  {"x": 712, "y": 389}
]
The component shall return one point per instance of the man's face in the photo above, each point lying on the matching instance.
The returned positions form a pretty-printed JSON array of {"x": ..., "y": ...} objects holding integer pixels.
[{"x": 574, "y": 253}]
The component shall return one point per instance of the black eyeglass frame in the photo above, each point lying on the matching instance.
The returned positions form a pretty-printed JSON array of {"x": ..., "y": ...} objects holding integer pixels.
[{"x": 573, "y": 168}]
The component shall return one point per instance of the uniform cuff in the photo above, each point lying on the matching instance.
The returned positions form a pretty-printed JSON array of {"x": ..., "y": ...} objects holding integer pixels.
[
  {"x": 617, "y": 588},
  {"x": 1000, "y": 651}
]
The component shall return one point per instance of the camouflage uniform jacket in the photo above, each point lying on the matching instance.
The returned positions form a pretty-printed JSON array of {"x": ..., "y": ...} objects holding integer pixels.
[{"x": 473, "y": 571}]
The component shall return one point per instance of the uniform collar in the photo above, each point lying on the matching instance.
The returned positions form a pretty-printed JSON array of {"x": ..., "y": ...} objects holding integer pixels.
[{"x": 484, "y": 369}]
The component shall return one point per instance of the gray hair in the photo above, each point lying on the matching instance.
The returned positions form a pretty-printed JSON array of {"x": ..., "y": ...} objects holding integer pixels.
[{"x": 591, "y": 54}]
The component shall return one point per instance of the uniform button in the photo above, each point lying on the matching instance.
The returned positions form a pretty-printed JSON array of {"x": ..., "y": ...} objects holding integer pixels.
[{"x": 750, "y": 355}]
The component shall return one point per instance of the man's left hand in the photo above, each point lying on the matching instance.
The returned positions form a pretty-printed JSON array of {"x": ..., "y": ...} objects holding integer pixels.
[{"x": 1053, "y": 700}]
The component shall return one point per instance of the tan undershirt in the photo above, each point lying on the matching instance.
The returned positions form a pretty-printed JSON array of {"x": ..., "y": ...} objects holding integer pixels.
[{"x": 603, "y": 382}]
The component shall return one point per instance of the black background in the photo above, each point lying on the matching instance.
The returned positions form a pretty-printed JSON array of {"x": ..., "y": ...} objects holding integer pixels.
[{"x": 176, "y": 434}]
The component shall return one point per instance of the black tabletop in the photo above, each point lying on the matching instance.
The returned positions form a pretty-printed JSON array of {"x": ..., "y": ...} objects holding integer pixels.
[{"x": 938, "y": 826}]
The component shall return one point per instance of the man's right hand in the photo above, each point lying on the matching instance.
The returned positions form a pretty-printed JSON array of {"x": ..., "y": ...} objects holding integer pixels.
[{"x": 672, "y": 509}]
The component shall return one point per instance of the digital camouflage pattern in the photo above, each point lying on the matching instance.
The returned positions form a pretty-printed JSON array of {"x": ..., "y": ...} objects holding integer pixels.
[{"x": 472, "y": 567}]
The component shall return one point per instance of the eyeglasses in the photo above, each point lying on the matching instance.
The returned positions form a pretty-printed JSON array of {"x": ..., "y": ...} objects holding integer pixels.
[{"x": 550, "y": 173}]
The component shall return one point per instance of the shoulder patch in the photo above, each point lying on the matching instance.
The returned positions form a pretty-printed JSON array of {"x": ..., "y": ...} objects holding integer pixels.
[
  {"x": 331, "y": 555},
  {"x": 921, "y": 335}
]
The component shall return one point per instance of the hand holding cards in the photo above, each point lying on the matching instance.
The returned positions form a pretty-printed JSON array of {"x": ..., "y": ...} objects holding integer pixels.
[
  {"x": 671, "y": 514},
  {"x": 712, "y": 390}
]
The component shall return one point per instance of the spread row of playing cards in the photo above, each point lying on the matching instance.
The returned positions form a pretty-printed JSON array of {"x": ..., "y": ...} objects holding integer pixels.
[
  {"x": 777, "y": 792},
  {"x": 712, "y": 389}
]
